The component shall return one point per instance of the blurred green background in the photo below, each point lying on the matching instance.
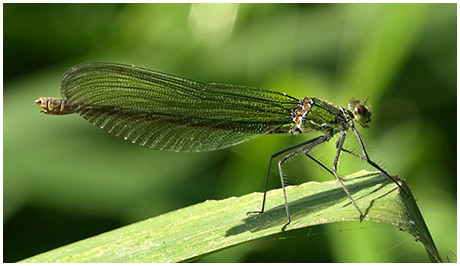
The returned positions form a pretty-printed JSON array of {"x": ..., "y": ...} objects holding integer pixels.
[{"x": 66, "y": 180}]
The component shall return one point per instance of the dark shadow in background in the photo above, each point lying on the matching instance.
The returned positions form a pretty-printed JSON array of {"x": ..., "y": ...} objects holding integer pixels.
[{"x": 44, "y": 229}]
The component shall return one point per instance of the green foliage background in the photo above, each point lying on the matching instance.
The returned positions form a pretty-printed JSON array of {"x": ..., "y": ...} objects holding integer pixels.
[{"x": 65, "y": 180}]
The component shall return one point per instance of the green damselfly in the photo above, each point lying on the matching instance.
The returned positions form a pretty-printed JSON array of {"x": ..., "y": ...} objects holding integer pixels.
[{"x": 167, "y": 112}]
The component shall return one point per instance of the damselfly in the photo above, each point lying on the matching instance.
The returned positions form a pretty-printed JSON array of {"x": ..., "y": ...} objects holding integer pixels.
[{"x": 167, "y": 112}]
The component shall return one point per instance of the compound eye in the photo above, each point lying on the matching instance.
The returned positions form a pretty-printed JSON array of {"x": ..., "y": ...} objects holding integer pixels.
[
  {"x": 358, "y": 110},
  {"x": 361, "y": 113}
]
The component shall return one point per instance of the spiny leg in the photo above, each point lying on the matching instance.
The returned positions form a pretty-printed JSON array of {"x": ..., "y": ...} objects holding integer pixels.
[
  {"x": 303, "y": 147},
  {"x": 369, "y": 161},
  {"x": 339, "y": 145},
  {"x": 318, "y": 162},
  {"x": 340, "y": 180},
  {"x": 273, "y": 156}
]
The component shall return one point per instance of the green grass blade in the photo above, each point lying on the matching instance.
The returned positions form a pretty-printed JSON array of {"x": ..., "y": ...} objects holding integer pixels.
[{"x": 211, "y": 226}]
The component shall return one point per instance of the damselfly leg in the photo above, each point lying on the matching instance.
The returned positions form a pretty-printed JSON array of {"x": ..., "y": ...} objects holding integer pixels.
[
  {"x": 305, "y": 148},
  {"x": 366, "y": 158}
]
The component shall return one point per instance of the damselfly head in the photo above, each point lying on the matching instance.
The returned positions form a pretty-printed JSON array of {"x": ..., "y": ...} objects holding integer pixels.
[{"x": 360, "y": 112}]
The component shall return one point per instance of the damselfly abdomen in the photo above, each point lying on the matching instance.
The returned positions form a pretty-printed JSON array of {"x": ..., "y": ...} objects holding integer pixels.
[{"x": 167, "y": 112}]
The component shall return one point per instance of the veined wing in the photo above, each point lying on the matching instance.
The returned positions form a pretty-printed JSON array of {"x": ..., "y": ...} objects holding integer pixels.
[{"x": 167, "y": 112}]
